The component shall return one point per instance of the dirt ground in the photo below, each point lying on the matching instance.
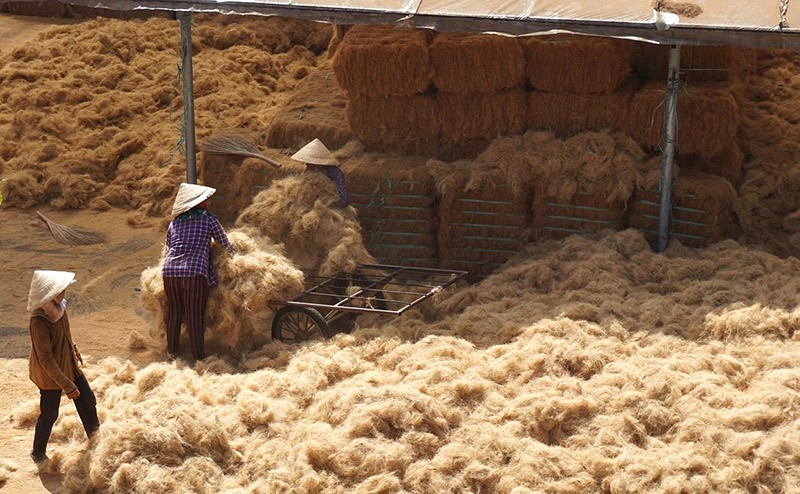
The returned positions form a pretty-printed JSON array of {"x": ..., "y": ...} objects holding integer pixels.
[
  {"x": 104, "y": 311},
  {"x": 14, "y": 31},
  {"x": 108, "y": 288}
]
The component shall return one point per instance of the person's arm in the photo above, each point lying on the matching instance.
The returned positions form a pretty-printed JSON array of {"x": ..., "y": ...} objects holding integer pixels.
[
  {"x": 218, "y": 234},
  {"x": 167, "y": 241},
  {"x": 40, "y": 339}
]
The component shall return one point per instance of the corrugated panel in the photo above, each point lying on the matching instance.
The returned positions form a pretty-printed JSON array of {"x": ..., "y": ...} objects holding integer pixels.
[
  {"x": 475, "y": 8},
  {"x": 760, "y": 24}
]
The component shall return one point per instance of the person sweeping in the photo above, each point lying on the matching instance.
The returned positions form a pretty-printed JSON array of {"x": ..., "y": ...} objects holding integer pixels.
[
  {"x": 55, "y": 363},
  {"x": 187, "y": 272},
  {"x": 318, "y": 158}
]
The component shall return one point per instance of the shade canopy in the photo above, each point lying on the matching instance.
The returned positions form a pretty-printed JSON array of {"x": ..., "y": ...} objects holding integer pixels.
[{"x": 752, "y": 23}]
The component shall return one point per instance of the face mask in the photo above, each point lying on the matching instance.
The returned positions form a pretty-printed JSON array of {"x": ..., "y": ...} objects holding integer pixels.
[{"x": 54, "y": 312}]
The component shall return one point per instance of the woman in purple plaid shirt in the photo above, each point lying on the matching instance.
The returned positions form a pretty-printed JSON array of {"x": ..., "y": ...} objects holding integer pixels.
[{"x": 187, "y": 272}]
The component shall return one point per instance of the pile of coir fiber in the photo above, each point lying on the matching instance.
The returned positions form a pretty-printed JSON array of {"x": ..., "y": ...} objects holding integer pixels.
[
  {"x": 297, "y": 211},
  {"x": 586, "y": 365}
]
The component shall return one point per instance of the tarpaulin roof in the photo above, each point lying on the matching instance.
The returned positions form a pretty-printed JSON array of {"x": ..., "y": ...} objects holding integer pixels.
[{"x": 754, "y": 23}]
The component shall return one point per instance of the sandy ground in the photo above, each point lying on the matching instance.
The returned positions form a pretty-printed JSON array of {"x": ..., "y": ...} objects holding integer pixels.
[
  {"x": 104, "y": 310},
  {"x": 16, "y": 30}
]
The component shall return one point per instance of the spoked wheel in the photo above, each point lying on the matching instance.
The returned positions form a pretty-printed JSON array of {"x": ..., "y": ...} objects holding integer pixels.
[{"x": 296, "y": 324}]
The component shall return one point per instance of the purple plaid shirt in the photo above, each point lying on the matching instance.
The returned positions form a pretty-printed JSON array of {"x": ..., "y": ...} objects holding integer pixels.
[{"x": 189, "y": 246}]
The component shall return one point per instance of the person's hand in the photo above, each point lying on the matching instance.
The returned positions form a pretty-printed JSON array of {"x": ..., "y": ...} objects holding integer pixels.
[{"x": 73, "y": 394}]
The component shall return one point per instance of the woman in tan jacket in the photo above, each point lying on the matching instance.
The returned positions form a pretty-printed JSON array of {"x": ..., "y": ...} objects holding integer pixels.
[{"x": 54, "y": 359}]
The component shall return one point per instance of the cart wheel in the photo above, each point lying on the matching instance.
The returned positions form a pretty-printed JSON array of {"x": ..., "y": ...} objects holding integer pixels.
[{"x": 294, "y": 324}]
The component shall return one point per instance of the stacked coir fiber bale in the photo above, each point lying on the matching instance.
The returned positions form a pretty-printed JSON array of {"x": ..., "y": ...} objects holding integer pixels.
[
  {"x": 386, "y": 74},
  {"x": 416, "y": 92},
  {"x": 709, "y": 100},
  {"x": 316, "y": 110},
  {"x": 394, "y": 197},
  {"x": 480, "y": 93},
  {"x": 582, "y": 183},
  {"x": 702, "y": 208},
  {"x": 216, "y": 171},
  {"x": 707, "y": 124},
  {"x": 483, "y": 216},
  {"x": 238, "y": 306},
  {"x": 698, "y": 63},
  {"x": 578, "y": 83}
]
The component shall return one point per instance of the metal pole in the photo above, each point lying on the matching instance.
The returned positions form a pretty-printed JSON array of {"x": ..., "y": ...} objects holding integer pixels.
[
  {"x": 188, "y": 97},
  {"x": 670, "y": 136}
]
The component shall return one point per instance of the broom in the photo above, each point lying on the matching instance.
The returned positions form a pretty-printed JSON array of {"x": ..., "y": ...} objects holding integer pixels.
[
  {"x": 71, "y": 235},
  {"x": 234, "y": 143}
]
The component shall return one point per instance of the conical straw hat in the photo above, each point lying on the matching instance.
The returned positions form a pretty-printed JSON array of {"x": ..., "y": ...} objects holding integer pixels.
[
  {"x": 315, "y": 153},
  {"x": 45, "y": 285},
  {"x": 189, "y": 196}
]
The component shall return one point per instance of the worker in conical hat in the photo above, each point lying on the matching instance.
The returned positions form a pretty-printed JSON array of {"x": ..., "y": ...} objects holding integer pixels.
[
  {"x": 318, "y": 158},
  {"x": 188, "y": 272},
  {"x": 55, "y": 363}
]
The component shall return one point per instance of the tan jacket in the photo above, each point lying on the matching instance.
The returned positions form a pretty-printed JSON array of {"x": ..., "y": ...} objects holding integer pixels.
[{"x": 53, "y": 362}]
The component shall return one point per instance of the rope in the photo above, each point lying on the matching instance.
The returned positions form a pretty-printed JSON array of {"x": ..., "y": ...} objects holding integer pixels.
[
  {"x": 783, "y": 5},
  {"x": 181, "y": 125}
]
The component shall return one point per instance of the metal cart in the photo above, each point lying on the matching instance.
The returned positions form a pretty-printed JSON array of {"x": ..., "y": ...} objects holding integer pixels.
[{"x": 371, "y": 288}]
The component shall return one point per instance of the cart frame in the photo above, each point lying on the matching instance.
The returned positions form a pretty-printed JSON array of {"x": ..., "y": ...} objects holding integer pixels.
[{"x": 326, "y": 298}]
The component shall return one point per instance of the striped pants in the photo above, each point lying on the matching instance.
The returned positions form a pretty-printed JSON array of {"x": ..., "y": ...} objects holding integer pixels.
[{"x": 186, "y": 302}]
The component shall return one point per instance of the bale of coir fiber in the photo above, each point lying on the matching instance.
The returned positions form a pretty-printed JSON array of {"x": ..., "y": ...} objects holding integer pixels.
[
  {"x": 728, "y": 164},
  {"x": 216, "y": 170},
  {"x": 298, "y": 212},
  {"x": 567, "y": 114},
  {"x": 394, "y": 197},
  {"x": 698, "y": 63},
  {"x": 576, "y": 64},
  {"x": 611, "y": 161},
  {"x": 470, "y": 116},
  {"x": 476, "y": 63},
  {"x": 405, "y": 124},
  {"x": 255, "y": 274},
  {"x": 316, "y": 110},
  {"x": 587, "y": 210},
  {"x": 702, "y": 211},
  {"x": 479, "y": 213},
  {"x": 382, "y": 175},
  {"x": 708, "y": 117},
  {"x": 381, "y": 60}
]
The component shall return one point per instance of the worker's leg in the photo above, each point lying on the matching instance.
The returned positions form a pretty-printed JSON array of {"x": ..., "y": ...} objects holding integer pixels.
[
  {"x": 196, "y": 297},
  {"x": 86, "y": 405},
  {"x": 174, "y": 312},
  {"x": 49, "y": 401}
]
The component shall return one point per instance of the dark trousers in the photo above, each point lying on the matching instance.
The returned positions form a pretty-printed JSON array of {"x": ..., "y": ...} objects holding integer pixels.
[
  {"x": 49, "y": 401},
  {"x": 186, "y": 301}
]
